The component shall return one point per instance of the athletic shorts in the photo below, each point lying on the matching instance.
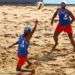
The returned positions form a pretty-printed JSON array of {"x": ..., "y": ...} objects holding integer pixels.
[
  {"x": 67, "y": 28},
  {"x": 21, "y": 61}
]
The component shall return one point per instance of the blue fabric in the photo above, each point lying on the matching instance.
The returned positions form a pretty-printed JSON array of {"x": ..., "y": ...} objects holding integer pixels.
[
  {"x": 22, "y": 45},
  {"x": 64, "y": 18}
]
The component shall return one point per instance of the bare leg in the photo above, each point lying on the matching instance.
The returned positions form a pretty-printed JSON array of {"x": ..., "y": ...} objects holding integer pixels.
[
  {"x": 72, "y": 40},
  {"x": 56, "y": 34},
  {"x": 29, "y": 64}
]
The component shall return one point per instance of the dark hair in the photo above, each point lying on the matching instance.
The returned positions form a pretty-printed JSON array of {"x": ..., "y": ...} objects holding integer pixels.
[
  {"x": 27, "y": 29},
  {"x": 63, "y": 3}
]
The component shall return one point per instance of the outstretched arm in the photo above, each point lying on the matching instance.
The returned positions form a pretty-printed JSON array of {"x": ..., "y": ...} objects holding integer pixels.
[
  {"x": 36, "y": 22},
  {"x": 55, "y": 14},
  {"x": 12, "y": 45}
]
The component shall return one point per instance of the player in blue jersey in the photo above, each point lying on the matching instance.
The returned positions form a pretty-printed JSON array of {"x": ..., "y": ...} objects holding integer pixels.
[
  {"x": 66, "y": 18},
  {"x": 23, "y": 44}
]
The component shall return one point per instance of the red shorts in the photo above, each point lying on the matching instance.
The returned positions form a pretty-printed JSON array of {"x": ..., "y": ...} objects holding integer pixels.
[
  {"x": 21, "y": 61},
  {"x": 66, "y": 28}
]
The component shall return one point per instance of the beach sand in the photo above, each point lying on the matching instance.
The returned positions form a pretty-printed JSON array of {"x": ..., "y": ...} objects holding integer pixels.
[{"x": 13, "y": 19}]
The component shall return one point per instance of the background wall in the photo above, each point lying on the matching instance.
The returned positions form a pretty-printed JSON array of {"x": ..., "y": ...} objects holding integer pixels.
[{"x": 20, "y": 1}]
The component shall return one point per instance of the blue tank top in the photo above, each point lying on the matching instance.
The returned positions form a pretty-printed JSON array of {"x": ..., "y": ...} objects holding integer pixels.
[
  {"x": 22, "y": 46},
  {"x": 64, "y": 18}
]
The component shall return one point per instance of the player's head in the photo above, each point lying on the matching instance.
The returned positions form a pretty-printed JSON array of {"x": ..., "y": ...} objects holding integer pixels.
[
  {"x": 40, "y": 4},
  {"x": 27, "y": 30},
  {"x": 63, "y": 4}
]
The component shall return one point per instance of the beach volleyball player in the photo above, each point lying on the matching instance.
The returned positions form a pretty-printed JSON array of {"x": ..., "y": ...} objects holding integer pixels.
[
  {"x": 66, "y": 18},
  {"x": 40, "y": 4},
  {"x": 23, "y": 44}
]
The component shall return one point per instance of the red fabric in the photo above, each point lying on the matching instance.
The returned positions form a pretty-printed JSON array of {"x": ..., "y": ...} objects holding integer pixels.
[
  {"x": 66, "y": 28},
  {"x": 21, "y": 61}
]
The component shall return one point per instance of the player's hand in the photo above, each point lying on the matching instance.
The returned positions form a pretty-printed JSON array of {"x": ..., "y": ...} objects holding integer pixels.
[
  {"x": 9, "y": 47},
  {"x": 36, "y": 21}
]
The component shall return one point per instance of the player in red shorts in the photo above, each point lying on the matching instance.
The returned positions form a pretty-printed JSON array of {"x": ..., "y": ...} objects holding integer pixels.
[
  {"x": 66, "y": 18},
  {"x": 23, "y": 44}
]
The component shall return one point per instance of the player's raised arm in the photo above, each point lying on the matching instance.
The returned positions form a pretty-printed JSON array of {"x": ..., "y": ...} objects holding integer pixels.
[
  {"x": 55, "y": 14},
  {"x": 36, "y": 22},
  {"x": 12, "y": 45}
]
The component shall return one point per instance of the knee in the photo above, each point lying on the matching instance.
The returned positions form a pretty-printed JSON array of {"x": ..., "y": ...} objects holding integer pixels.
[{"x": 55, "y": 37}]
